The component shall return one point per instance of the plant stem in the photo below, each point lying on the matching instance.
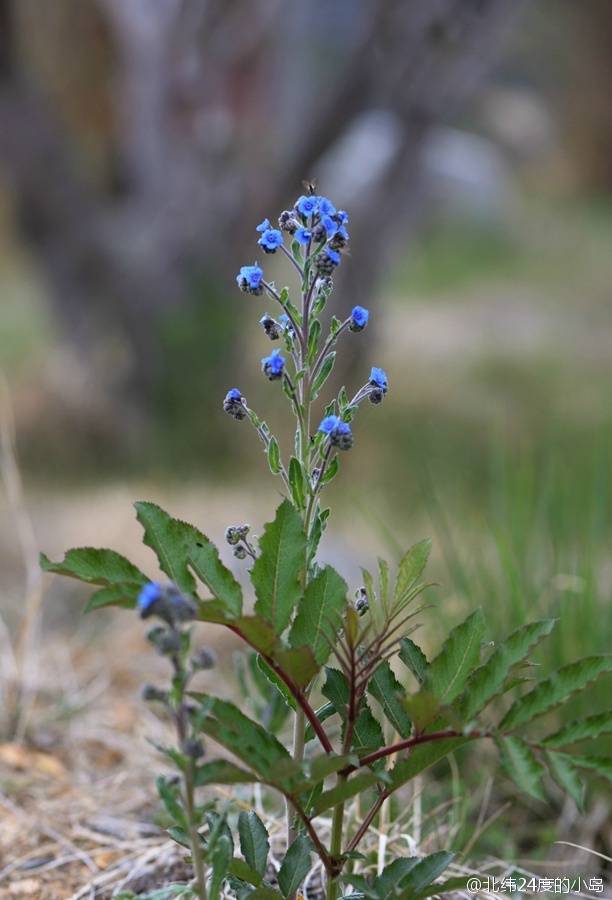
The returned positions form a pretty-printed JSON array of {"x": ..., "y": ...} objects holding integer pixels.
[
  {"x": 299, "y": 734},
  {"x": 194, "y": 838},
  {"x": 335, "y": 847}
]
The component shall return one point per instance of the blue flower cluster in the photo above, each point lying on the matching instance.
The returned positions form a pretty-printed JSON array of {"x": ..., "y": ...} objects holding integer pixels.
[
  {"x": 273, "y": 366},
  {"x": 338, "y": 432}
]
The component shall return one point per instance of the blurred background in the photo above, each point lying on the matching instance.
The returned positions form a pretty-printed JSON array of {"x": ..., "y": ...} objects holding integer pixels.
[{"x": 471, "y": 143}]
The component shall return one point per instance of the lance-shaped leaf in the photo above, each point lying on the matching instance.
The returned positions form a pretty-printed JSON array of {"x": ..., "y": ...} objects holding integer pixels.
[
  {"x": 295, "y": 866},
  {"x": 277, "y": 570},
  {"x": 564, "y": 772},
  {"x": 323, "y": 374},
  {"x": 254, "y": 841},
  {"x": 522, "y": 765},
  {"x": 346, "y": 789},
  {"x": 555, "y": 689},
  {"x": 387, "y": 884},
  {"x": 425, "y": 872},
  {"x": 319, "y": 614},
  {"x": 421, "y": 758},
  {"x": 448, "y": 672},
  {"x": 487, "y": 681},
  {"x": 384, "y": 687},
  {"x": 413, "y": 657},
  {"x": 600, "y": 764},
  {"x": 252, "y": 744},
  {"x": 96, "y": 566},
  {"x": 221, "y": 771},
  {"x": 410, "y": 568},
  {"x": 585, "y": 729},
  {"x": 367, "y": 732}
]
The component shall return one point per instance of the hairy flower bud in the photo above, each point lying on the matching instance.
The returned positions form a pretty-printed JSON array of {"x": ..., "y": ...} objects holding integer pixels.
[
  {"x": 288, "y": 222},
  {"x": 240, "y": 552},
  {"x": 152, "y": 694},
  {"x": 362, "y": 604},
  {"x": 234, "y": 404},
  {"x": 193, "y": 747},
  {"x": 270, "y": 326},
  {"x": 204, "y": 659}
]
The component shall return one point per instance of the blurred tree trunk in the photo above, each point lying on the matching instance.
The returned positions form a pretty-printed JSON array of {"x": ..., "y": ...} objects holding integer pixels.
[{"x": 144, "y": 139}]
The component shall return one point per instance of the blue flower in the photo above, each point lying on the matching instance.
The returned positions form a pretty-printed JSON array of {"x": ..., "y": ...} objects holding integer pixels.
[
  {"x": 149, "y": 595},
  {"x": 250, "y": 279},
  {"x": 378, "y": 378},
  {"x": 263, "y": 226},
  {"x": 285, "y": 322},
  {"x": 326, "y": 207},
  {"x": 271, "y": 240},
  {"x": 234, "y": 404},
  {"x": 341, "y": 217},
  {"x": 330, "y": 226},
  {"x": 326, "y": 261},
  {"x": 307, "y": 205},
  {"x": 329, "y": 423},
  {"x": 333, "y": 255},
  {"x": 359, "y": 318},
  {"x": 303, "y": 235},
  {"x": 272, "y": 366}
]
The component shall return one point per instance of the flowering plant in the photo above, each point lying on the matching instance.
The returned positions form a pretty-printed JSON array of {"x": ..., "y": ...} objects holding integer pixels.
[{"x": 375, "y": 727}]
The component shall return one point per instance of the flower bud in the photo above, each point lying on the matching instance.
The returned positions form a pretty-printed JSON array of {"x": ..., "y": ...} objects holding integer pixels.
[
  {"x": 270, "y": 326},
  {"x": 240, "y": 552},
  {"x": 362, "y": 604},
  {"x": 152, "y": 694},
  {"x": 273, "y": 365},
  {"x": 288, "y": 222},
  {"x": 203, "y": 659},
  {"x": 193, "y": 747},
  {"x": 234, "y": 404}
]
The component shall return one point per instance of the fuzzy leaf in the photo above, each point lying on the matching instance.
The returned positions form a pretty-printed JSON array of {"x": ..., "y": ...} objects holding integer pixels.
[
  {"x": 555, "y": 689},
  {"x": 276, "y": 572},
  {"x": 295, "y": 866},
  {"x": 413, "y": 657},
  {"x": 165, "y": 537},
  {"x": 487, "y": 681},
  {"x": 319, "y": 614},
  {"x": 297, "y": 483},
  {"x": 448, "y": 672},
  {"x": 563, "y": 770},
  {"x": 425, "y": 872},
  {"x": 323, "y": 374},
  {"x": 254, "y": 841},
  {"x": 589, "y": 728},
  {"x": 522, "y": 766},
  {"x": 384, "y": 687},
  {"x": 274, "y": 456},
  {"x": 410, "y": 568},
  {"x": 96, "y": 566}
]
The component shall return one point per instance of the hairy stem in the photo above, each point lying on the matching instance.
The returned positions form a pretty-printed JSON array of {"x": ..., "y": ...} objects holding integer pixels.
[{"x": 299, "y": 735}]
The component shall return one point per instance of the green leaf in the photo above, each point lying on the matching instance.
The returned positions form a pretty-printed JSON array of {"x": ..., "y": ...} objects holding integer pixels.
[
  {"x": 220, "y": 859},
  {"x": 278, "y": 683},
  {"x": 345, "y": 790},
  {"x": 522, "y": 766},
  {"x": 564, "y": 772},
  {"x": 384, "y": 687},
  {"x": 221, "y": 771},
  {"x": 205, "y": 562},
  {"x": 297, "y": 483},
  {"x": 331, "y": 471},
  {"x": 589, "y": 728},
  {"x": 487, "y": 681},
  {"x": 460, "y": 654},
  {"x": 96, "y": 566},
  {"x": 274, "y": 456},
  {"x": 388, "y": 882},
  {"x": 323, "y": 374},
  {"x": 422, "y": 757},
  {"x": 326, "y": 764},
  {"x": 367, "y": 733},
  {"x": 410, "y": 568},
  {"x": 322, "y": 713},
  {"x": 124, "y": 595},
  {"x": 555, "y": 689},
  {"x": 277, "y": 570},
  {"x": 600, "y": 764},
  {"x": 413, "y": 657},
  {"x": 166, "y": 538},
  {"x": 451, "y": 885},
  {"x": 319, "y": 614},
  {"x": 295, "y": 866},
  {"x": 299, "y": 663},
  {"x": 254, "y": 841},
  {"x": 425, "y": 872},
  {"x": 170, "y": 796},
  {"x": 263, "y": 892},
  {"x": 247, "y": 740},
  {"x": 239, "y": 869}
]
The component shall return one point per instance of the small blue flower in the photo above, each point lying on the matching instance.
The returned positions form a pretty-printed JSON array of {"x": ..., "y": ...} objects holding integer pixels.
[
  {"x": 303, "y": 235},
  {"x": 333, "y": 256},
  {"x": 329, "y": 423},
  {"x": 234, "y": 404},
  {"x": 330, "y": 226},
  {"x": 378, "y": 378},
  {"x": 271, "y": 240},
  {"x": 307, "y": 205},
  {"x": 341, "y": 217},
  {"x": 250, "y": 279},
  {"x": 272, "y": 366},
  {"x": 263, "y": 226},
  {"x": 326, "y": 207},
  {"x": 359, "y": 318},
  {"x": 149, "y": 595},
  {"x": 285, "y": 322}
]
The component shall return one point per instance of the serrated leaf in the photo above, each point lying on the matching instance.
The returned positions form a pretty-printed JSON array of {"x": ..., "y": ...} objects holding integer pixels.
[
  {"x": 123, "y": 595},
  {"x": 221, "y": 771},
  {"x": 254, "y": 841},
  {"x": 589, "y": 728},
  {"x": 319, "y": 614},
  {"x": 205, "y": 562},
  {"x": 600, "y": 764},
  {"x": 323, "y": 374},
  {"x": 164, "y": 536},
  {"x": 96, "y": 566},
  {"x": 421, "y": 758},
  {"x": 460, "y": 654},
  {"x": 555, "y": 689},
  {"x": 564, "y": 772},
  {"x": 295, "y": 866},
  {"x": 487, "y": 681},
  {"x": 274, "y": 456},
  {"x": 411, "y": 567},
  {"x": 384, "y": 687},
  {"x": 299, "y": 663},
  {"x": 367, "y": 733},
  {"x": 413, "y": 657},
  {"x": 521, "y": 765},
  {"x": 277, "y": 570},
  {"x": 425, "y": 872},
  {"x": 277, "y": 682}
]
